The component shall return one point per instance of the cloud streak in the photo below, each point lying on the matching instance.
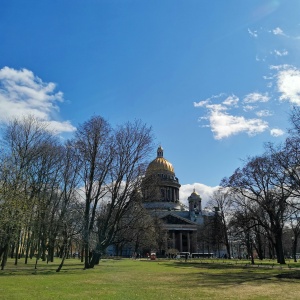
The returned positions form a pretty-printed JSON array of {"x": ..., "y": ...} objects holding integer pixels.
[
  {"x": 276, "y": 132},
  {"x": 224, "y": 124},
  {"x": 281, "y": 53},
  {"x": 257, "y": 112},
  {"x": 22, "y": 93},
  {"x": 253, "y": 33},
  {"x": 278, "y": 31},
  {"x": 256, "y": 97}
]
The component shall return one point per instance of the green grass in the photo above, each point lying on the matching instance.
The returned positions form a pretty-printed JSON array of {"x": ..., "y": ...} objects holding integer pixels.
[{"x": 158, "y": 280}]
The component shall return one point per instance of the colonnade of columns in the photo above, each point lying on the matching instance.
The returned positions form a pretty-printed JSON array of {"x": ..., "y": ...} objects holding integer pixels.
[
  {"x": 182, "y": 240},
  {"x": 169, "y": 194},
  {"x": 166, "y": 194}
]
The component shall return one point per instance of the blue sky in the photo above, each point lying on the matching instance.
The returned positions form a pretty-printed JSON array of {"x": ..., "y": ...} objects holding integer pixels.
[{"x": 215, "y": 79}]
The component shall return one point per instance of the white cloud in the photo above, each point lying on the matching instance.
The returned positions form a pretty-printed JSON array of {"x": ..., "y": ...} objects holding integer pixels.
[
  {"x": 63, "y": 126},
  {"x": 253, "y": 33},
  {"x": 231, "y": 101},
  {"x": 224, "y": 125},
  {"x": 288, "y": 84},
  {"x": 281, "y": 53},
  {"x": 257, "y": 58},
  {"x": 249, "y": 107},
  {"x": 268, "y": 77},
  {"x": 276, "y": 132},
  {"x": 22, "y": 93},
  {"x": 277, "y": 31},
  {"x": 256, "y": 97},
  {"x": 216, "y": 107},
  {"x": 234, "y": 115},
  {"x": 280, "y": 67},
  {"x": 201, "y": 103},
  {"x": 264, "y": 113},
  {"x": 204, "y": 103},
  {"x": 203, "y": 190}
]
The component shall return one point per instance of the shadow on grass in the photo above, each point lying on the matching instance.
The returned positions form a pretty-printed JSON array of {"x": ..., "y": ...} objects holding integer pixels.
[
  {"x": 208, "y": 275},
  {"x": 70, "y": 267},
  {"x": 290, "y": 275},
  {"x": 50, "y": 269}
]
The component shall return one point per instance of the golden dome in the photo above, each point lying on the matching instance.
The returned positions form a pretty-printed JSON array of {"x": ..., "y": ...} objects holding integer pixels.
[
  {"x": 194, "y": 193},
  {"x": 194, "y": 196},
  {"x": 160, "y": 164}
]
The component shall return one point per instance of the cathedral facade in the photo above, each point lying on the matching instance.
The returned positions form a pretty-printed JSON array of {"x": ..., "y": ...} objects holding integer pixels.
[
  {"x": 160, "y": 201},
  {"x": 161, "y": 198}
]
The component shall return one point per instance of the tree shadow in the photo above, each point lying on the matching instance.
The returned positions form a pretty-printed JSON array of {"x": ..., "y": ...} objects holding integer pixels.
[
  {"x": 28, "y": 270},
  {"x": 228, "y": 274},
  {"x": 290, "y": 275}
]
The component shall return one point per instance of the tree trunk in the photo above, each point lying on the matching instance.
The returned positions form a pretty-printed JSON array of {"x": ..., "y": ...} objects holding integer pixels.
[
  {"x": 96, "y": 256},
  {"x": 228, "y": 250},
  {"x": 271, "y": 250},
  {"x": 65, "y": 250},
  {"x": 50, "y": 251},
  {"x": 61, "y": 263},
  {"x": 86, "y": 234},
  {"x": 252, "y": 257},
  {"x": 86, "y": 256},
  {"x": 249, "y": 246},
  {"x": 259, "y": 248},
  {"x": 82, "y": 254},
  {"x": 12, "y": 250},
  {"x": 17, "y": 248},
  {"x": 279, "y": 247},
  {"x": 295, "y": 243},
  {"x": 4, "y": 257}
]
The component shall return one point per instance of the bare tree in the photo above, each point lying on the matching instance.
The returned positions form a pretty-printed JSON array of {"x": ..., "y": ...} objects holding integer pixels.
[
  {"x": 66, "y": 205},
  {"x": 246, "y": 228},
  {"x": 93, "y": 143},
  {"x": 221, "y": 200},
  {"x": 132, "y": 145},
  {"x": 24, "y": 142},
  {"x": 262, "y": 182},
  {"x": 136, "y": 229}
]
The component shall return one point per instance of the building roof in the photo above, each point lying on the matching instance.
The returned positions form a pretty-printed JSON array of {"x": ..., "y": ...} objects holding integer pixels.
[
  {"x": 163, "y": 206},
  {"x": 160, "y": 164},
  {"x": 194, "y": 196},
  {"x": 183, "y": 216}
]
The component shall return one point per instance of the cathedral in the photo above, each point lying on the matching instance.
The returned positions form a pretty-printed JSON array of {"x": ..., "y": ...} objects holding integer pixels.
[
  {"x": 160, "y": 193},
  {"x": 161, "y": 199}
]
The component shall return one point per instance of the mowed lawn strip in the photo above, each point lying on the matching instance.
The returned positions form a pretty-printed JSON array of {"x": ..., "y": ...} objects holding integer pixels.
[{"x": 142, "y": 279}]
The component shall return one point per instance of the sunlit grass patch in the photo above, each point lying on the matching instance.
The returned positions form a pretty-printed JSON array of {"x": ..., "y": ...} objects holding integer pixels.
[{"x": 142, "y": 279}]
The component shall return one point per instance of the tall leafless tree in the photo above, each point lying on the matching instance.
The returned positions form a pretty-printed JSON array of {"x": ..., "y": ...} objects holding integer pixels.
[
  {"x": 24, "y": 141},
  {"x": 262, "y": 182},
  {"x": 93, "y": 143},
  {"x": 132, "y": 145},
  {"x": 221, "y": 201}
]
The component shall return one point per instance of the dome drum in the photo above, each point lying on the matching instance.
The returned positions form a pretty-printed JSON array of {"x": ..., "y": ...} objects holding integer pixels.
[{"x": 160, "y": 176}]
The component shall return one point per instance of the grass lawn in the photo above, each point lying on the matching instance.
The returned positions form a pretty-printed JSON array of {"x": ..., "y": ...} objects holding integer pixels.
[{"x": 141, "y": 279}]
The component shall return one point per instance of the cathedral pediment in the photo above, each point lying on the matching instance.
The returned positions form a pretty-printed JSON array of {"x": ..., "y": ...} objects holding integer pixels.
[{"x": 174, "y": 219}]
